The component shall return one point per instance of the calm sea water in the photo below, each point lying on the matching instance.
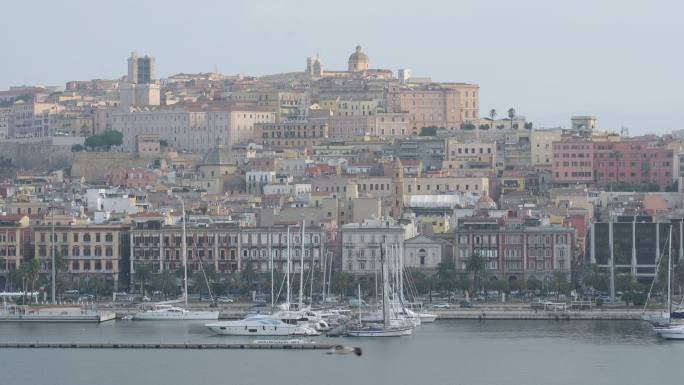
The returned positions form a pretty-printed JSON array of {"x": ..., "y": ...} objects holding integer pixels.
[{"x": 447, "y": 352}]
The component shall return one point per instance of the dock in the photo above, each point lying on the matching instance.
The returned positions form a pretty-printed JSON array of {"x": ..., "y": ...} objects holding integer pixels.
[
  {"x": 560, "y": 315},
  {"x": 58, "y": 315},
  {"x": 178, "y": 346}
]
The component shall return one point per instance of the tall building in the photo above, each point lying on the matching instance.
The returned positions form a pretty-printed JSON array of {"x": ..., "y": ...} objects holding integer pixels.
[
  {"x": 140, "y": 89},
  {"x": 141, "y": 70},
  {"x": 441, "y": 105}
]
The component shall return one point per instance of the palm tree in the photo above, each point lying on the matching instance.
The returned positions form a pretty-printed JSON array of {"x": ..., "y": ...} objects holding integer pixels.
[
  {"x": 477, "y": 266},
  {"x": 29, "y": 271},
  {"x": 617, "y": 155},
  {"x": 166, "y": 282},
  {"x": 143, "y": 273},
  {"x": 492, "y": 115},
  {"x": 511, "y": 115}
]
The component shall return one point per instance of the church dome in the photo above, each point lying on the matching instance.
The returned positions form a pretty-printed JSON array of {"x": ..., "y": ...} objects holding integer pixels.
[
  {"x": 219, "y": 155},
  {"x": 358, "y": 61}
]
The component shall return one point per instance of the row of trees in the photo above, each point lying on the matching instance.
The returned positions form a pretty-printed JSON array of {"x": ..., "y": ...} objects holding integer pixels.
[{"x": 104, "y": 141}]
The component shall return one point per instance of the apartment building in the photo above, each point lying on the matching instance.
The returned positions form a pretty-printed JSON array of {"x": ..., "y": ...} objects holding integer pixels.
[
  {"x": 195, "y": 128},
  {"x": 14, "y": 242},
  {"x": 85, "y": 248},
  {"x": 291, "y": 134},
  {"x": 514, "y": 252}
]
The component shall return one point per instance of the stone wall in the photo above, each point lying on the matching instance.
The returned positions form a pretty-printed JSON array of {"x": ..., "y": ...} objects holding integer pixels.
[{"x": 37, "y": 156}]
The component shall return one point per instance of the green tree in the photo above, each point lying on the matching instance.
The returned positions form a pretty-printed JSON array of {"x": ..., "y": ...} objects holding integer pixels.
[
  {"x": 166, "y": 282},
  {"x": 77, "y": 148},
  {"x": 511, "y": 115},
  {"x": 143, "y": 274},
  {"x": 29, "y": 271},
  {"x": 104, "y": 140},
  {"x": 447, "y": 277},
  {"x": 533, "y": 283},
  {"x": 595, "y": 277},
  {"x": 476, "y": 265},
  {"x": 428, "y": 131},
  {"x": 560, "y": 284}
]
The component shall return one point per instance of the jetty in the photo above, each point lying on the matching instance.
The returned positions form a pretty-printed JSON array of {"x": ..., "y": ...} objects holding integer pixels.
[
  {"x": 17, "y": 313},
  {"x": 168, "y": 345}
]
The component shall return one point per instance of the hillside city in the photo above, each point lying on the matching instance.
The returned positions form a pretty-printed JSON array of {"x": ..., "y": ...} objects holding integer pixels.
[{"x": 103, "y": 178}]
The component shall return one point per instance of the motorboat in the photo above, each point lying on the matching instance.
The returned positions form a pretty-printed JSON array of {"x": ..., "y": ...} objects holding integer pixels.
[
  {"x": 173, "y": 313},
  {"x": 260, "y": 325},
  {"x": 427, "y": 318}
]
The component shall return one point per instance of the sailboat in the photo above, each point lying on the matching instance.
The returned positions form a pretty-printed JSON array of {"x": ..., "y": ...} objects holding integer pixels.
[
  {"x": 671, "y": 330},
  {"x": 387, "y": 328},
  {"x": 163, "y": 311},
  {"x": 297, "y": 313}
]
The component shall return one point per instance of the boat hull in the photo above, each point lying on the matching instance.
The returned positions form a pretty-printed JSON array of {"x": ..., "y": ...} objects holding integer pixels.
[
  {"x": 427, "y": 318},
  {"x": 191, "y": 315},
  {"x": 380, "y": 332},
  {"x": 671, "y": 333}
]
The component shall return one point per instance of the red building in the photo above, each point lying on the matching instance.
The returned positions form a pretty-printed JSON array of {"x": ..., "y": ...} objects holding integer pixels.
[
  {"x": 132, "y": 177},
  {"x": 573, "y": 161},
  {"x": 579, "y": 160},
  {"x": 633, "y": 160}
]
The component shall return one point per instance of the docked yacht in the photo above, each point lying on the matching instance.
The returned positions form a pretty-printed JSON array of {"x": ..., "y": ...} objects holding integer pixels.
[
  {"x": 173, "y": 313},
  {"x": 260, "y": 325},
  {"x": 379, "y": 330},
  {"x": 670, "y": 332}
]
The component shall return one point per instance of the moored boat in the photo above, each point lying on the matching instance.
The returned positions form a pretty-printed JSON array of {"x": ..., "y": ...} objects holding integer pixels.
[{"x": 260, "y": 325}]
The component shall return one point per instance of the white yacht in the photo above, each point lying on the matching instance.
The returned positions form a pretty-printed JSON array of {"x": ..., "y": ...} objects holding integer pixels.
[
  {"x": 671, "y": 332},
  {"x": 427, "y": 318},
  {"x": 260, "y": 325},
  {"x": 173, "y": 313}
]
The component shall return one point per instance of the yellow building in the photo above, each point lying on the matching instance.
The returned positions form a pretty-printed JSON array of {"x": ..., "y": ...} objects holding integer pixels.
[
  {"x": 439, "y": 223},
  {"x": 541, "y": 143},
  {"x": 86, "y": 249},
  {"x": 14, "y": 237}
]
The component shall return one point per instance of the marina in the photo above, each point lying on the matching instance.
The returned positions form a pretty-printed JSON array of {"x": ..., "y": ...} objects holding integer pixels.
[{"x": 449, "y": 351}]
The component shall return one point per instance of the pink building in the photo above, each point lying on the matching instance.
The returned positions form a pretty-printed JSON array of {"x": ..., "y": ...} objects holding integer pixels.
[
  {"x": 578, "y": 160},
  {"x": 573, "y": 161},
  {"x": 634, "y": 160},
  {"x": 132, "y": 177}
]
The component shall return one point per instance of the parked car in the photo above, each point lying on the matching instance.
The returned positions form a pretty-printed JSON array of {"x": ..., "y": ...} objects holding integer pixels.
[
  {"x": 225, "y": 300},
  {"x": 466, "y": 304},
  {"x": 441, "y": 306},
  {"x": 146, "y": 298}
]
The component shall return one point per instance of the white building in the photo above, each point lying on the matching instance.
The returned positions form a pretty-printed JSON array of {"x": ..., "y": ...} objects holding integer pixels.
[
  {"x": 362, "y": 243},
  {"x": 196, "y": 129},
  {"x": 110, "y": 201}
]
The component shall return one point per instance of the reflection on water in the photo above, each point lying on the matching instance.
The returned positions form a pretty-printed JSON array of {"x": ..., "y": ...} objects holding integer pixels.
[{"x": 447, "y": 352}]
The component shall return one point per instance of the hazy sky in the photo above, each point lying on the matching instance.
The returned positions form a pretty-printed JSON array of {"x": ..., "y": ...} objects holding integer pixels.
[{"x": 620, "y": 60}]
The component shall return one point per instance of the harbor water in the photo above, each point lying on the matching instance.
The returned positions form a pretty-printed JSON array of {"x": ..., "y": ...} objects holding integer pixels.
[{"x": 447, "y": 352}]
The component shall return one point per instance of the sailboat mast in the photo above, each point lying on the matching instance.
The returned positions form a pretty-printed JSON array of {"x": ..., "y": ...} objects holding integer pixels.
[
  {"x": 270, "y": 254},
  {"x": 287, "y": 270},
  {"x": 184, "y": 250},
  {"x": 669, "y": 273},
  {"x": 311, "y": 272},
  {"x": 359, "y": 304},
  {"x": 301, "y": 268},
  {"x": 385, "y": 292}
]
